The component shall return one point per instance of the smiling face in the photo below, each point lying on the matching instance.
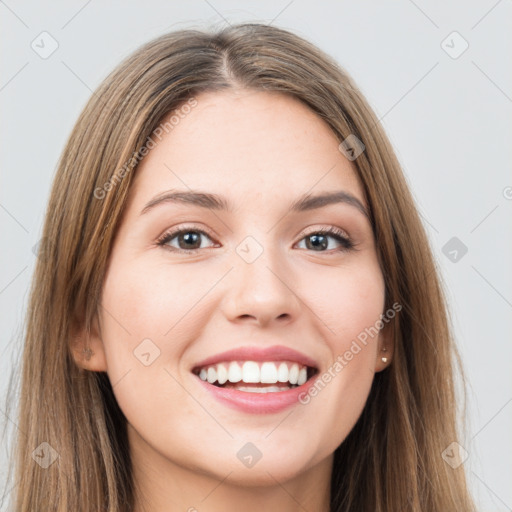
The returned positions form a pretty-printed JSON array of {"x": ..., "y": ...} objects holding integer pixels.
[{"x": 257, "y": 275}]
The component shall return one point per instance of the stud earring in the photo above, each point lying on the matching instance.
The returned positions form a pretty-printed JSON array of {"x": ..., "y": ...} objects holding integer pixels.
[{"x": 384, "y": 359}]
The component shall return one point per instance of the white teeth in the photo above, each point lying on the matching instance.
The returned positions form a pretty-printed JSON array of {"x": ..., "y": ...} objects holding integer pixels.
[
  {"x": 294, "y": 374},
  {"x": 282, "y": 373},
  {"x": 250, "y": 372},
  {"x": 303, "y": 376},
  {"x": 234, "y": 372},
  {"x": 211, "y": 375},
  {"x": 268, "y": 373},
  {"x": 222, "y": 373}
]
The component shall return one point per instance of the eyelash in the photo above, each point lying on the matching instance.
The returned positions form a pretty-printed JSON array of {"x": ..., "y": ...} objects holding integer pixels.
[{"x": 346, "y": 243}]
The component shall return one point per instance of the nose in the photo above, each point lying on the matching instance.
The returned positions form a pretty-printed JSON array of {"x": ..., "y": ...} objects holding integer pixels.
[{"x": 262, "y": 291}]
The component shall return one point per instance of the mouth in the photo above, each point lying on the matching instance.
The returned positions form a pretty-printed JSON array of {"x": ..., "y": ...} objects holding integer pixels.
[
  {"x": 272, "y": 369},
  {"x": 256, "y": 376},
  {"x": 257, "y": 380}
]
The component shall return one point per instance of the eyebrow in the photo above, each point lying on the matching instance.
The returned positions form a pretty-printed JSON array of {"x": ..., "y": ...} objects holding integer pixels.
[{"x": 216, "y": 202}]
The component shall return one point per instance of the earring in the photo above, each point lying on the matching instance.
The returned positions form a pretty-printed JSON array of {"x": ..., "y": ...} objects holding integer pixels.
[{"x": 384, "y": 359}]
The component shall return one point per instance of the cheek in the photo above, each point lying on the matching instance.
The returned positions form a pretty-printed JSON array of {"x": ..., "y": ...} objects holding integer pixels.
[
  {"x": 151, "y": 301},
  {"x": 349, "y": 302}
]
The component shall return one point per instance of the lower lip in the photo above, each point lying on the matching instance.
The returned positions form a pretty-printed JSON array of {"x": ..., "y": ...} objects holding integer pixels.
[{"x": 258, "y": 403}]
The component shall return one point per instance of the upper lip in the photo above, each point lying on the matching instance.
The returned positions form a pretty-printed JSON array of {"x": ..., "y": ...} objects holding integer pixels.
[{"x": 274, "y": 353}]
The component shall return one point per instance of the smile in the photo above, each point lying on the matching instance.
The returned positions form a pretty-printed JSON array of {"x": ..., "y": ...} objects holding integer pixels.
[
  {"x": 256, "y": 377},
  {"x": 257, "y": 380}
]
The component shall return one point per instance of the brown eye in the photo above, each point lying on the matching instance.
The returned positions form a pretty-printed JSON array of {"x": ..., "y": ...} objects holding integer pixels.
[
  {"x": 319, "y": 240},
  {"x": 188, "y": 240}
]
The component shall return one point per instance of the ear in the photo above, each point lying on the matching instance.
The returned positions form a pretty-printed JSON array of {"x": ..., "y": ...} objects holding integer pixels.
[
  {"x": 87, "y": 348},
  {"x": 386, "y": 345}
]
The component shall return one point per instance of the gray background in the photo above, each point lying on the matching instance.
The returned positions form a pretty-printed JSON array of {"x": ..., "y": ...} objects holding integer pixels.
[{"x": 448, "y": 119}]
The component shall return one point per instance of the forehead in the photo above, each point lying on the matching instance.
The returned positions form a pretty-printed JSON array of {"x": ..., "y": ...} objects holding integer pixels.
[{"x": 246, "y": 144}]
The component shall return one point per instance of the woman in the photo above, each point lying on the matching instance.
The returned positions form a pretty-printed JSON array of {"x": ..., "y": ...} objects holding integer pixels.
[{"x": 238, "y": 306}]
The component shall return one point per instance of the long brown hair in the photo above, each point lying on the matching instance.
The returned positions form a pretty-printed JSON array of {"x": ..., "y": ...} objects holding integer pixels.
[{"x": 391, "y": 460}]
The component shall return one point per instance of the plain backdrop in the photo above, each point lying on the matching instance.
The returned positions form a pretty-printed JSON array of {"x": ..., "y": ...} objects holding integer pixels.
[{"x": 438, "y": 75}]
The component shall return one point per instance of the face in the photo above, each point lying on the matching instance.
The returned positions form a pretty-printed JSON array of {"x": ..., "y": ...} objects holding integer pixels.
[{"x": 187, "y": 284}]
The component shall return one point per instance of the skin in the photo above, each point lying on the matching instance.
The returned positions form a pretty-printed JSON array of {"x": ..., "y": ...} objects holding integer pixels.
[{"x": 261, "y": 151}]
